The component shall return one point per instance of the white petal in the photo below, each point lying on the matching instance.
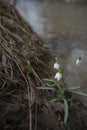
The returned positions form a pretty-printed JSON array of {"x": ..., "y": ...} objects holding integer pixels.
[
  {"x": 77, "y": 62},
  {"x": 58, "y": 76},
  {"x": 56, "y": 66}
]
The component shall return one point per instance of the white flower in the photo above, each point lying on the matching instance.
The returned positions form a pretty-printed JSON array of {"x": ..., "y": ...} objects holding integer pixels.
[
  {"x": 58, "y": 76},
  {"x": 78, "y": 61},
  {"x": 56, "y": 66}
]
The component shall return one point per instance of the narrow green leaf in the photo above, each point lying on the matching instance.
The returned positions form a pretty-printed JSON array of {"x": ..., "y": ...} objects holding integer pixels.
[
  {"x": 53, "y": 81},
  {"x": 56, "y": 83},
  {"x": 73, "y": 88},
  {"x": 46, "y": 88},
  {"x": 54, "y": 100},
  {"x": 58, "y": 86},
  {"x": 78, "y": 92},
  {"x": 66, "y": 111}
]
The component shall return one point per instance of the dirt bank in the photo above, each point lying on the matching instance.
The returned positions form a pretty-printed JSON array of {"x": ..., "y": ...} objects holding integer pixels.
[{"x": 24, "y": 61}]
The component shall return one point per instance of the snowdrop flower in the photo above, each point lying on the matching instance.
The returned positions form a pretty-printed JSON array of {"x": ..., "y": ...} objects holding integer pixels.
[
  {"x": 58, "y": 76},
  {"x": 78, "y": 61},
  {"x": 56, "y": 66}
]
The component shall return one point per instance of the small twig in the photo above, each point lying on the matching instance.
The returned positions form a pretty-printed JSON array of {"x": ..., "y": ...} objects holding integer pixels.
[
  {"x": 37, "y": 76},
  {"x": 36, "y": 116},
  {"x": 11, "y": 71},
  {"x": 21, "y": 71}
]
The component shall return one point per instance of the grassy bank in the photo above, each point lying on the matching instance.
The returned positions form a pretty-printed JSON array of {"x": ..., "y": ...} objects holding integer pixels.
[{"x": 24, "y": 61}]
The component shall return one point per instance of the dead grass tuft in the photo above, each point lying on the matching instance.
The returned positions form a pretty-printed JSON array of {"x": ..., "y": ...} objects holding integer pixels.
[{"x": 24, "y": 60}]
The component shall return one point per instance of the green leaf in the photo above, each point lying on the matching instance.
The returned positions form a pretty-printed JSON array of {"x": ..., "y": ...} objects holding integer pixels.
[
  {"x": 46, "y": 88},
  {"x": 73, "y": 88},
  {"x": 56, "y": 83},
  {"x": 61, "y": 94},
  {"x": 66, "y": 111},
  {"x": 54, "y": 100},
  {"x": 78, "y": 92},
  {"x": 53, "y": 81},
  {"x": 49, "y": 80},
  {"x": 58, "y": 86}
]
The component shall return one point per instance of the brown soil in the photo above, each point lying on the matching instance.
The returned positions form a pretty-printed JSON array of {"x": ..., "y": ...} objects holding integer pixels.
[{"x": 24, "y": 62}]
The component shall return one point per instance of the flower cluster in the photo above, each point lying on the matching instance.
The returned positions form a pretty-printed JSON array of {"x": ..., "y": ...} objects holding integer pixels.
[{"x": 58, "y": 75}]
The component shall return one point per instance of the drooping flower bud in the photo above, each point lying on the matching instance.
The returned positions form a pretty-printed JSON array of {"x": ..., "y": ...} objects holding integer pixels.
[
  {"x": 58, "y": 76},
  {"x": 56, "y": 66},
  {"x": 78, "y": 61}
]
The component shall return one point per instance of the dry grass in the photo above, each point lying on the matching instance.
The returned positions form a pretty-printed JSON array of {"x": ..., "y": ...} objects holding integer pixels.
[
  {"x": 22, "y": 54},
  {"x": 24, "y": 61}
]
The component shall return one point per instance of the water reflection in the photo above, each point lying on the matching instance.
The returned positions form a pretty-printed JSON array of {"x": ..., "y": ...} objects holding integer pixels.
[{"x": 64, "y": 28}]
